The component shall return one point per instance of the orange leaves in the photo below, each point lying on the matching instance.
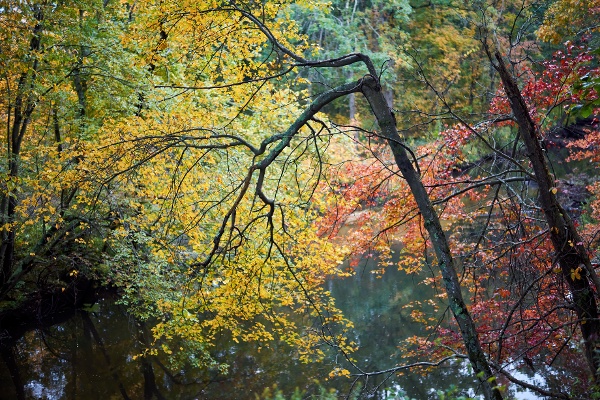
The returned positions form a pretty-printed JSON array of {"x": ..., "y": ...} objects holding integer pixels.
[
  {"x": 586, "y": 148},
  {"x": 418, "y": 316},
  {"x": 455, "y": 138},
  {"x": 576, "y": 273}
]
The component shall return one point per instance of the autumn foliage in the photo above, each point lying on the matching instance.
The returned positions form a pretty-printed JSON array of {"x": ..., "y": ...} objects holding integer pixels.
[{"x": 163, "y": 149}]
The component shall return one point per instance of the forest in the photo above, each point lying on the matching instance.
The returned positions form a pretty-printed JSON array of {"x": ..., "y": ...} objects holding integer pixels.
[{"x": 217, "y": 170}]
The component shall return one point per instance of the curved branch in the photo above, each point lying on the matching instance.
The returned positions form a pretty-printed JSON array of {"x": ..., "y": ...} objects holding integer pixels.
[
  {"x": 301, "y": 61},
  {"x": 413, "y": 365},
  {"x": 529, "y": 386},
  {"x": 284, "y": 141},
  {"x": 315, "y": 106}
]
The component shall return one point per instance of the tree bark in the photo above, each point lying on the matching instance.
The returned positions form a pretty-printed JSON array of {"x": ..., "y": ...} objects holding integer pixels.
[
  {"x": 570, "y": 252},
  {"x": 372, "y": 91},
  {"x": 24, "y": 105}
]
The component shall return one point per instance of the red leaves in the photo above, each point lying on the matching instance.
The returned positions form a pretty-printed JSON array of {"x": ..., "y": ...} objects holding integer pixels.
[
  {"x": 455, "y": 138},
  {"x": 519, "y": 302},
  {"x": 557, "y": 84}
]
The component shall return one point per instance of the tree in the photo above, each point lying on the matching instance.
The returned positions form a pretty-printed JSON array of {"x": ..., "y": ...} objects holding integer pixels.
[
  {"x": 196, "y": 186},
  {"x": 274, "y": 147},
  {"x": 125, "y": 179},
  {"x": 556, "y": 87},
  {"x": 542, "y": 300},
  {"x": 60, "y": 69},
  {"x": 571, "y": 254}
]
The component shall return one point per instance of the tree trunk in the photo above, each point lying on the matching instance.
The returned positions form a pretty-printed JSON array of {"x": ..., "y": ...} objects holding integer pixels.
[
  {"x": 24, "y": 105},
  {"x": 372, "y": 91},
  {"x": 570, "y": 252}
]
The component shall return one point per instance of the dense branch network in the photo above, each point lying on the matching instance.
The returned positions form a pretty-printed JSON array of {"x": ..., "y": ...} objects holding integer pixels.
[{"x": 371, "y": 88}]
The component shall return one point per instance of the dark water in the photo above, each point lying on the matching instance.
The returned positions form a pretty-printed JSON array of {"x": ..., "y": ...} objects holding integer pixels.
[{"x": 92, "y": 355}]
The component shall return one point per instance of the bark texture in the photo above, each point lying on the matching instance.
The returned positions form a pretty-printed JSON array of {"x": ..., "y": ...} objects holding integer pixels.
[
  {"x": 570, "y": 252},
  {"x": 372, "y": 91}
]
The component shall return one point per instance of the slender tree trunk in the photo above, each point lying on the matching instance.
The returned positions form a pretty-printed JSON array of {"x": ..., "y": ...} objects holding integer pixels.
[
  {"x": 372, "y": 91},
  {"x": 570, "y": 252},
  {"x": 24, "y": 105}
]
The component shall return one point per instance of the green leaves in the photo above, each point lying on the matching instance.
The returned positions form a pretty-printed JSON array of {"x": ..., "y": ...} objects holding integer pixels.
[{"x": 587, "y": 109}]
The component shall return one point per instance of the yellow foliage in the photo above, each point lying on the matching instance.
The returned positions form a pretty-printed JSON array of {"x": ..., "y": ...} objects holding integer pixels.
[
  {"x": 151, "y": 156},
  {"x": 568, "y": 17}
]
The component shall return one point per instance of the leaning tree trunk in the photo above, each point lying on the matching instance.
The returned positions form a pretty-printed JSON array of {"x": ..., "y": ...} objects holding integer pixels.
[
  {"x": 372, "y": 91},
  {"x": 570, "y": 252}
]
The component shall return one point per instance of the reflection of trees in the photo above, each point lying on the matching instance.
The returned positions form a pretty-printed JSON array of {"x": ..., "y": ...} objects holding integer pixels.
[
  {"x": 8, "y": 356},
  {"x": 92, "y": 355},
  {"x": 377, "y": 305},
  {"x": 75, "y": 359},
  {"x": 90, "y": 330}
]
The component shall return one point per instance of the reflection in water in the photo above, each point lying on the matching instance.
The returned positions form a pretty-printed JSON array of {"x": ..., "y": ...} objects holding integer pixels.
[{"x": 93, "y": 355}]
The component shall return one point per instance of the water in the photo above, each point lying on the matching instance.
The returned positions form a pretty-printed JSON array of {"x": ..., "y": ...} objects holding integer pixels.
[{"x": 91, "y": 355}]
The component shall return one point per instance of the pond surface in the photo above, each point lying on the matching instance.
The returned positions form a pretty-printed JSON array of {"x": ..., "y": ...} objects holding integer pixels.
[{"x": 92, "y": 355}]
